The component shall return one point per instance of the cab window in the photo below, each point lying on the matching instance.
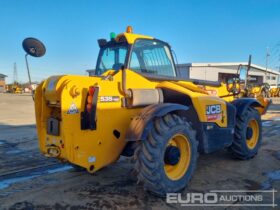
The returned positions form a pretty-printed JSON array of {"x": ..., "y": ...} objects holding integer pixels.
[
  {"x": 134, "y": 63},
  {"x": 111, "y": 58},
  {"x": 152, "y": 57}
]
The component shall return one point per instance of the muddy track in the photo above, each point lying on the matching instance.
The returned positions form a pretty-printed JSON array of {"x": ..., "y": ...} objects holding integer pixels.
[{"x": 27, "y": 171}]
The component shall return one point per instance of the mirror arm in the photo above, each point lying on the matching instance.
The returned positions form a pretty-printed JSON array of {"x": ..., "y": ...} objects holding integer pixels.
[
  {"x": 248, "y": 69},
  {"x": 27, "y": 67},
  {"x": 28, "y": 72}
]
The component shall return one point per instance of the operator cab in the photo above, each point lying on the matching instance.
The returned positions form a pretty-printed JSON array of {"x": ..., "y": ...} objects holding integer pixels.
[{"x": 146, "y": 56}]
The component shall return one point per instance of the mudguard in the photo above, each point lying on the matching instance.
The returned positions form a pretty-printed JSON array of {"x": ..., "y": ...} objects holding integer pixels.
[
  {"x": 141, "y": 124},
  {"x": 242, "y": 104}
]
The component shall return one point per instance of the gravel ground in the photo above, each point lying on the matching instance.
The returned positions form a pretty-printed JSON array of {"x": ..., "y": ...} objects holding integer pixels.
[{"x": 29, "y": 180}]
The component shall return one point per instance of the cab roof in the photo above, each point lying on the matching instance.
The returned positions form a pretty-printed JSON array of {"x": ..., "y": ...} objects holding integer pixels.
[{"x": 131, "y": 38}]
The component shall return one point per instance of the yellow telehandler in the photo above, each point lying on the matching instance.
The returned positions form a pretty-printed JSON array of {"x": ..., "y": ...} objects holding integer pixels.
[
  {"x": 248, "y": 88},
  {"x": 255, "y": 90},
  {"x": 275, "y": 91},
  {"x": 136, "y": 106}
]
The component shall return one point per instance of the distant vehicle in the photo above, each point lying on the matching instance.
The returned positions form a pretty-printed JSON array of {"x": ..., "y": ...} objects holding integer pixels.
[
  {"x": 275, "y": 91},
  {"x": 14, "y": 88}
]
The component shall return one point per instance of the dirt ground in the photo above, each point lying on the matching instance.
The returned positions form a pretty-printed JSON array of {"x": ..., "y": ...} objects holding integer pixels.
[{"x": 29, "y": 180}]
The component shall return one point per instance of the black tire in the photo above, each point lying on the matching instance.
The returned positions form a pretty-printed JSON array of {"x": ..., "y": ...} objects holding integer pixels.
[
  {"x": 150, "y": 156},
  {"x": 239, "y": 147},
  {"x": 263, "y": 93},
  {"x": 266, "y": 94}
]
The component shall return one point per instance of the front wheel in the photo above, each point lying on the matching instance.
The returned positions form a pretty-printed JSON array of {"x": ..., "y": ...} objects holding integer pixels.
[
  {"x": 248, "y": 134},
  {"x": 167, "y": 158}
]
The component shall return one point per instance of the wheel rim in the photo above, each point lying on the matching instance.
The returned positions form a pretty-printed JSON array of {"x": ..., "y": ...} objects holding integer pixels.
[
  {"x": 252, "y": 140},
  {"x": 177, "y": 171}
]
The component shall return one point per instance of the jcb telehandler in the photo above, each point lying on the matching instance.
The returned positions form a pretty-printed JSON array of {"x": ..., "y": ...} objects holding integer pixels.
[
  {"x": 136, "y": 106},
  {"x": 249, "y": 89},
  {"x": 275, "y": 91},
  {"x": 242, "y": 87},
  {"x": 255, "y": 90}
]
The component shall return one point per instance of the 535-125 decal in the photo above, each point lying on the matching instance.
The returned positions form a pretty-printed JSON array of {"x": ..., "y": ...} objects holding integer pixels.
[{"x": 109, "y": 98}]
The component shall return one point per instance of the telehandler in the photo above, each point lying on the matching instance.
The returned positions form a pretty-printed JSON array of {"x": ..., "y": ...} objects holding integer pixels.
[
  {"x": 244, "y": 88},
  {"x": 136, "y": 106},
  {"x": 249, "y": 89},
  {"x": 14, "y": 88},
  {"x": 275, "y": 91},
  {"x": 255, "y": 90}
]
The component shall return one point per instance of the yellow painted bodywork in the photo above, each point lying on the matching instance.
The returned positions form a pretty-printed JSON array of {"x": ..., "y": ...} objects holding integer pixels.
[
  {"x": 200, "y": 100},
  {"x": 100, "y": 147},
  {"x": 265, "y": 104},
  {"x": 220, "y": 91},
  {"x": 18, "y": 90},
  {"x": 255, "y": 91},
  {"x": 275, "y": 92},
  {"x": 131, "y": 38}
]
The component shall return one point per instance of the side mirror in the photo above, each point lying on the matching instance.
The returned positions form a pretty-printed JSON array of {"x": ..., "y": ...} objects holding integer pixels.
[
  {"x": 243, "y": 74},
  {"x": 34, "y": 47},
  {"x": 102, "y": 42},
  {"x": 233, "y": 86}
]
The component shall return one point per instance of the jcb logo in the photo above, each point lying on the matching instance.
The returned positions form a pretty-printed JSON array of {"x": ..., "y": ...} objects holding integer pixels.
[{"x": 213, "y": 109}]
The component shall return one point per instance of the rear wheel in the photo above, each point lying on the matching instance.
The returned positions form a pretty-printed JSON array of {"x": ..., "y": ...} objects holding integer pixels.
[
  {"x": 266, "y": 94},
  {"x": 166, "y": 160},
  {"x": 263, "y": 93},
  {"x": 248, "y": 134}
]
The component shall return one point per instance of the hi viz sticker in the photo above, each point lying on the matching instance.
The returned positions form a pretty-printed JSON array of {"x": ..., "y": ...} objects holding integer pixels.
[
  {"x": 212, "y": 92},
  {"x": 213, "y": 112},
  {"x": 73, "y": 109}
]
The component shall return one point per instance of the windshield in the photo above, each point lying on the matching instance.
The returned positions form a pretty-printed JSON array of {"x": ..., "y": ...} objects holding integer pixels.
[
  {"x": 153, "y": 57},
  {"x": 111, "y": 57}
]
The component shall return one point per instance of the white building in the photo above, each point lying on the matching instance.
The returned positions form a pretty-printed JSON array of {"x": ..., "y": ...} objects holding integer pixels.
[{"x": 223, "y": 71}]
